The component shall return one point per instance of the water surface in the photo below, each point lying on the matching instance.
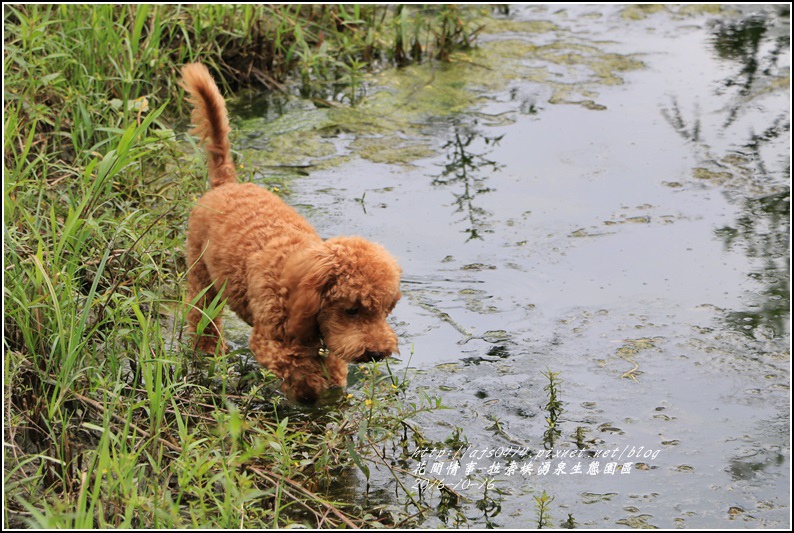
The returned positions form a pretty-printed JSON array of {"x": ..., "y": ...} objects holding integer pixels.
[{"x": 600, "y": 192}]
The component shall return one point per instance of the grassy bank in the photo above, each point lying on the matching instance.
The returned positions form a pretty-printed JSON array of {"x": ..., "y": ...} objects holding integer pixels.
[{"x": 110, "y": 420}]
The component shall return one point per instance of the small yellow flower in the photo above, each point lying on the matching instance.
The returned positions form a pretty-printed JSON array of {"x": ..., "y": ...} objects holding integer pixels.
[{"x": 368, "y": 402}]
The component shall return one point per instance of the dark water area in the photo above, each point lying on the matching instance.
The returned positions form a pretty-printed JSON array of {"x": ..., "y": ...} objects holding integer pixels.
[{"x": 600, "y": 192}]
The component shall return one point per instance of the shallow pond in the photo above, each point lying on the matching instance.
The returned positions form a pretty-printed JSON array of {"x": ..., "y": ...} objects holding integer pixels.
[{"x": 600, "y": 192}]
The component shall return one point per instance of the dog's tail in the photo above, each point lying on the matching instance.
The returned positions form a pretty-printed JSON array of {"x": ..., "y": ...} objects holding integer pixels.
[{"x": 211, "y": 122}]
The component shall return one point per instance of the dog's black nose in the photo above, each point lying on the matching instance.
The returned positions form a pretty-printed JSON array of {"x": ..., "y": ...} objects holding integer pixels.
[
  {"x": 373, "y": 356},
  {"x": 304, "y": 397}
]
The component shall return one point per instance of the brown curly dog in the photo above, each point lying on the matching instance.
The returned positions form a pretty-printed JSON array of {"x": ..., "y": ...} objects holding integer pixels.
[{"x": 315, "y": 305}]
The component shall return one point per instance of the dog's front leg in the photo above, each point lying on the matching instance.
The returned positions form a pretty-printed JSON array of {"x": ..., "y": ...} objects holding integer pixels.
[{"x": 306, "y": 375}]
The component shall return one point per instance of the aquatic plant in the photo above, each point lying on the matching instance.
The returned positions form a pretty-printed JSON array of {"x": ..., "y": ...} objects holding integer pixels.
[
  {"x": 542, "y": 503},
  {"x": 553, "y": 409}
]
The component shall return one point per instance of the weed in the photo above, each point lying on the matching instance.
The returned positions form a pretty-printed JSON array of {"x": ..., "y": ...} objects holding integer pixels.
[
  {"x": 569, "y": 522},
  {"x": 457, "y": 440},
  {"x": 553, "y": 409},
  {"x": 579, "y": 438},
  {"x": 353, "y": 79},
  {"x": 449, "y": 502},
  {"x": 489, "y": 505},
  {"x": 454, "y": 32},
  {"x": 542, "y": 503}
]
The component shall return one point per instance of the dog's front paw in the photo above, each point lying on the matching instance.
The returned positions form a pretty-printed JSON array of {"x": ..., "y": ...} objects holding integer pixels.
[
  {"x": 312, "y": 390},
  {"x": 210, "y": 345}
]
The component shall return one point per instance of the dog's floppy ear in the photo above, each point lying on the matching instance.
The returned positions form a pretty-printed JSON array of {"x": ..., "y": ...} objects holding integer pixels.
[{"x": 306, "y": 276}]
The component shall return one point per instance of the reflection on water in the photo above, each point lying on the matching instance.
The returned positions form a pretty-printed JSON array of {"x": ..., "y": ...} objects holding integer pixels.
[
  {"x": 746, "y": 42},
  {"x": 752, "y": 44},
  {"x": 468, "y": 169},
  {"x": 675, "y": 117},
  {"x": 752, "y": 170},
  {"x": 762, "y": 229},
  {"x": 762, "y": 232},
  {"x": 780, "y": 126}
]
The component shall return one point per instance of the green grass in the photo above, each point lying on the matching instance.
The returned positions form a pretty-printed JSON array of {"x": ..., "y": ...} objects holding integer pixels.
[{"x": 110, "y": 420}]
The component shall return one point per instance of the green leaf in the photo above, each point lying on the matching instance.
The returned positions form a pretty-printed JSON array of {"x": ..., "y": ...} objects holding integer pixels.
[{"x": 357, "y": 459}]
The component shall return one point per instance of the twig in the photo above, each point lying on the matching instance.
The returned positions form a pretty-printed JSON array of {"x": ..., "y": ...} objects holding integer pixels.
[{"x": 273, "y": 477}]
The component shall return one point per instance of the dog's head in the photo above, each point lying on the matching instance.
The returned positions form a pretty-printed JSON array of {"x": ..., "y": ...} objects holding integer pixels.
[{"x": 340, "y": 293}]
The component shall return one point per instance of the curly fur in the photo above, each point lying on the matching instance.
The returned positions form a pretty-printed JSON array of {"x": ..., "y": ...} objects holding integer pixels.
[{"x": 299, "y": 292}]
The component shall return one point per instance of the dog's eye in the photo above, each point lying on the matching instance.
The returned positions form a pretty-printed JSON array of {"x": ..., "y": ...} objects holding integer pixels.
[{"x": 352, "y": 311}]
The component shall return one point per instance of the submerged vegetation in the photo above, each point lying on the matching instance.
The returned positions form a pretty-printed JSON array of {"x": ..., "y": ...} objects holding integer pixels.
[{"x": 110, "y": 419}]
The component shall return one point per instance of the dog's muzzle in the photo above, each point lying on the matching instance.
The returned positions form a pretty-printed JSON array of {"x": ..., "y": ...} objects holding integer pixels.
[{"x": 373, "y": 356}]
